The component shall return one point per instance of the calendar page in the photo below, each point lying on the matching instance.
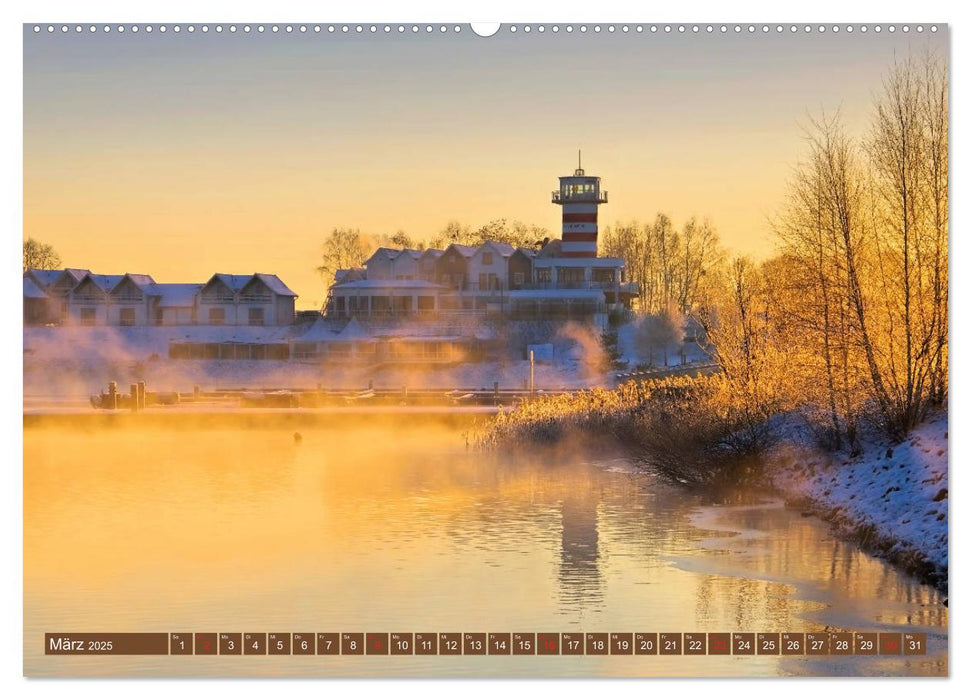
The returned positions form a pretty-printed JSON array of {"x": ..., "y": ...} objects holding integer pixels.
[{"x": 534, "y": 350}]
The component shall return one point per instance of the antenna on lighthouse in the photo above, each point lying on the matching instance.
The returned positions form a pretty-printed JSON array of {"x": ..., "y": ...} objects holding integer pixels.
[{"x": 579, "y": 162}]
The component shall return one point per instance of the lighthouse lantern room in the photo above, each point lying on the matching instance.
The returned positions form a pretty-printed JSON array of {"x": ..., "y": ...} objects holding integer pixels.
[{"x": 580, "y": 196}]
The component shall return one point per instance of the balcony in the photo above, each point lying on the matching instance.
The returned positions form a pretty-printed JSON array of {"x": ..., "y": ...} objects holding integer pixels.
[
  {"x": 560, "y": 197},
  {"x": 592, "y": 284}
]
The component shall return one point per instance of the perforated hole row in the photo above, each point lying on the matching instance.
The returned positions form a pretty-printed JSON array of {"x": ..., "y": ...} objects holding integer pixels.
[{"x": 455, "y": 29}]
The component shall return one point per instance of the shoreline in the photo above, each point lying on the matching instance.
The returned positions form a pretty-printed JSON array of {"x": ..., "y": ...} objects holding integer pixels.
[{"x": 891, "y": 500}]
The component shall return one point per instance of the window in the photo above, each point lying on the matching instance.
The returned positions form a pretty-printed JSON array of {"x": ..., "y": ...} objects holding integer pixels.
[
  {"x": 519, "y": 278},
  {"x": 603, "y": 276},
  {"x": 483, "y": 281},
  {"x": 543, "y": 275},
  {"x": 217, "y": 316},
  {"x": 487, "y": 258},
  {"x": 401, "y": 304},
  {"x": 126, "y": 316},
  {"x": 87, "y": 316},
  {"x": 256, "y": 316},
  {"x": 570, "y": 275},
  {"x": 159, "y": 316}
]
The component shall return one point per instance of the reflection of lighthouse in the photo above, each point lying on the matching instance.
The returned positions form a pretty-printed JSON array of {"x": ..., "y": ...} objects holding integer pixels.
[
  {"x": 580, "y": 196},
  {"x": 580, "y": 552}
]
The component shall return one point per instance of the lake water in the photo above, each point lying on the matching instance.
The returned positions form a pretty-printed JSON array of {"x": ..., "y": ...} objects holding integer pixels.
[{"x": 390, "y": 525}]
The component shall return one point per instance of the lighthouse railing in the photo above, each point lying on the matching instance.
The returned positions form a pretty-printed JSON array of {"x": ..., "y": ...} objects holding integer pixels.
[{"x": 558, "y": 197}]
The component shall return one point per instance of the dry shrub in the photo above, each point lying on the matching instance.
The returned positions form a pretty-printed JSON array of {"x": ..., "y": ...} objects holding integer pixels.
[{"x": 689, "y": 429}]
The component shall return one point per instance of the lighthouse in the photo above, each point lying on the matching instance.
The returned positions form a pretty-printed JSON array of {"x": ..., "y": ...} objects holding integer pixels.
[{"x": 580, "y": 196}]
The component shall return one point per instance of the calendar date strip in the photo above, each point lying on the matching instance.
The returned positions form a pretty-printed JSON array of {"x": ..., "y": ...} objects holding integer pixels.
[{"x": 486, "y": 644}]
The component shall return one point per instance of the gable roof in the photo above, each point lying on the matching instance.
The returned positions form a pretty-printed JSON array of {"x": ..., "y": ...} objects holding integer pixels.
[
  {"x": 32, "y": 290},
  {"x": 466, "y": 251},
  {"x": 528, "y": 252},
  {"x": 77, "y": 273},
  {"x": 103, "y": 282},
  {"x": 504, "y": 249},
  {"x": 234, "y": 282},
  {"x": 320, "y": 330},
  {"x": 353, "y": 331},
  {"x": 143, "y": 282},
  {"x": 140, "y": 280},
  {"x": 42, "y": 278},
  {"x": 72, "y": 275},
  {"x": 348, "y": 274},
  {"x": 431, "y": 252},
  {"x": 410, "y": 252},
  {"x": 389, "y": 253},
  {"x": 274, "y": 283}
]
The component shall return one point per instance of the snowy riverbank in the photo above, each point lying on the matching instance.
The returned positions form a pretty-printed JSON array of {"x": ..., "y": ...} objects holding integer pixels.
[{"x": 891, "y": 499}]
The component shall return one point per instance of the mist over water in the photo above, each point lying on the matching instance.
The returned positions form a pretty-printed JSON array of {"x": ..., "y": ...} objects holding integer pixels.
[
  {"x": 384, "y": 524},
  {"x": 69, "y": 364}
]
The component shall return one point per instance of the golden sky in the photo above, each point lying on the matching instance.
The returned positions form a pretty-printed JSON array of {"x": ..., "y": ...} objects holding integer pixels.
[{"x": 183, "y": 155}]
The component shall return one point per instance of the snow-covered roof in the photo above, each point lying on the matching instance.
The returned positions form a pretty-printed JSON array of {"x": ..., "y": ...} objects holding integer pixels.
[
  {"x": 320, "y": 330},
  {"x": 324, "y": 331},
  {"x": 353, "y": 331},
  {"x": 238, "y": 282},
  {"x": 504, "y": 249},
  {"x": 73, "y": 275},
  {"x": 389, "y": 253},
  {"x": 43, "y": 277},
  {"x": 411, "y": 253},
  {"x": 32, "y": 291},
  {"x": 466, "y": 251},
  {"x": 349, "y": 274},
  {"x": 234, "y": 282},
  {"x": 141, "y": 281},
  {"x": 275, "y": 284},
  {"x": 175, "y": 294},
  {"x": 528, "y": 252},
  {"x": 232, "y": 334},
  {"x": 77, "y": 273},
  {"x": 104, "y": 282},
  {"x": 386, "y": 284},
  {"x": 585, "y": 294},
  {"x": 432, "y": 253}
]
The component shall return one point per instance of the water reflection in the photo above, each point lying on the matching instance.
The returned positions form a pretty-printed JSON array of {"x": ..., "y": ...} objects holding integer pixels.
[
  {"x": 579, "y": 575},
  {"x": 400, "y": 528}
]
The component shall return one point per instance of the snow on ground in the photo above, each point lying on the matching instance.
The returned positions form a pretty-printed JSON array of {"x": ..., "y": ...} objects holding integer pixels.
[
  {"x": 900, "y": 491},
  {"x": 631, "y": 353}
]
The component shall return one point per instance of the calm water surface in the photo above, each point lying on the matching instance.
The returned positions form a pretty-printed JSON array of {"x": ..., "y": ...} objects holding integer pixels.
[{"x": 387, "y": 526}]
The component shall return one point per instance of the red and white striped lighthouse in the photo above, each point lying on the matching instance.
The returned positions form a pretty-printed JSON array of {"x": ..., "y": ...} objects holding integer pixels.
[{"x": 580, "y": 196}]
